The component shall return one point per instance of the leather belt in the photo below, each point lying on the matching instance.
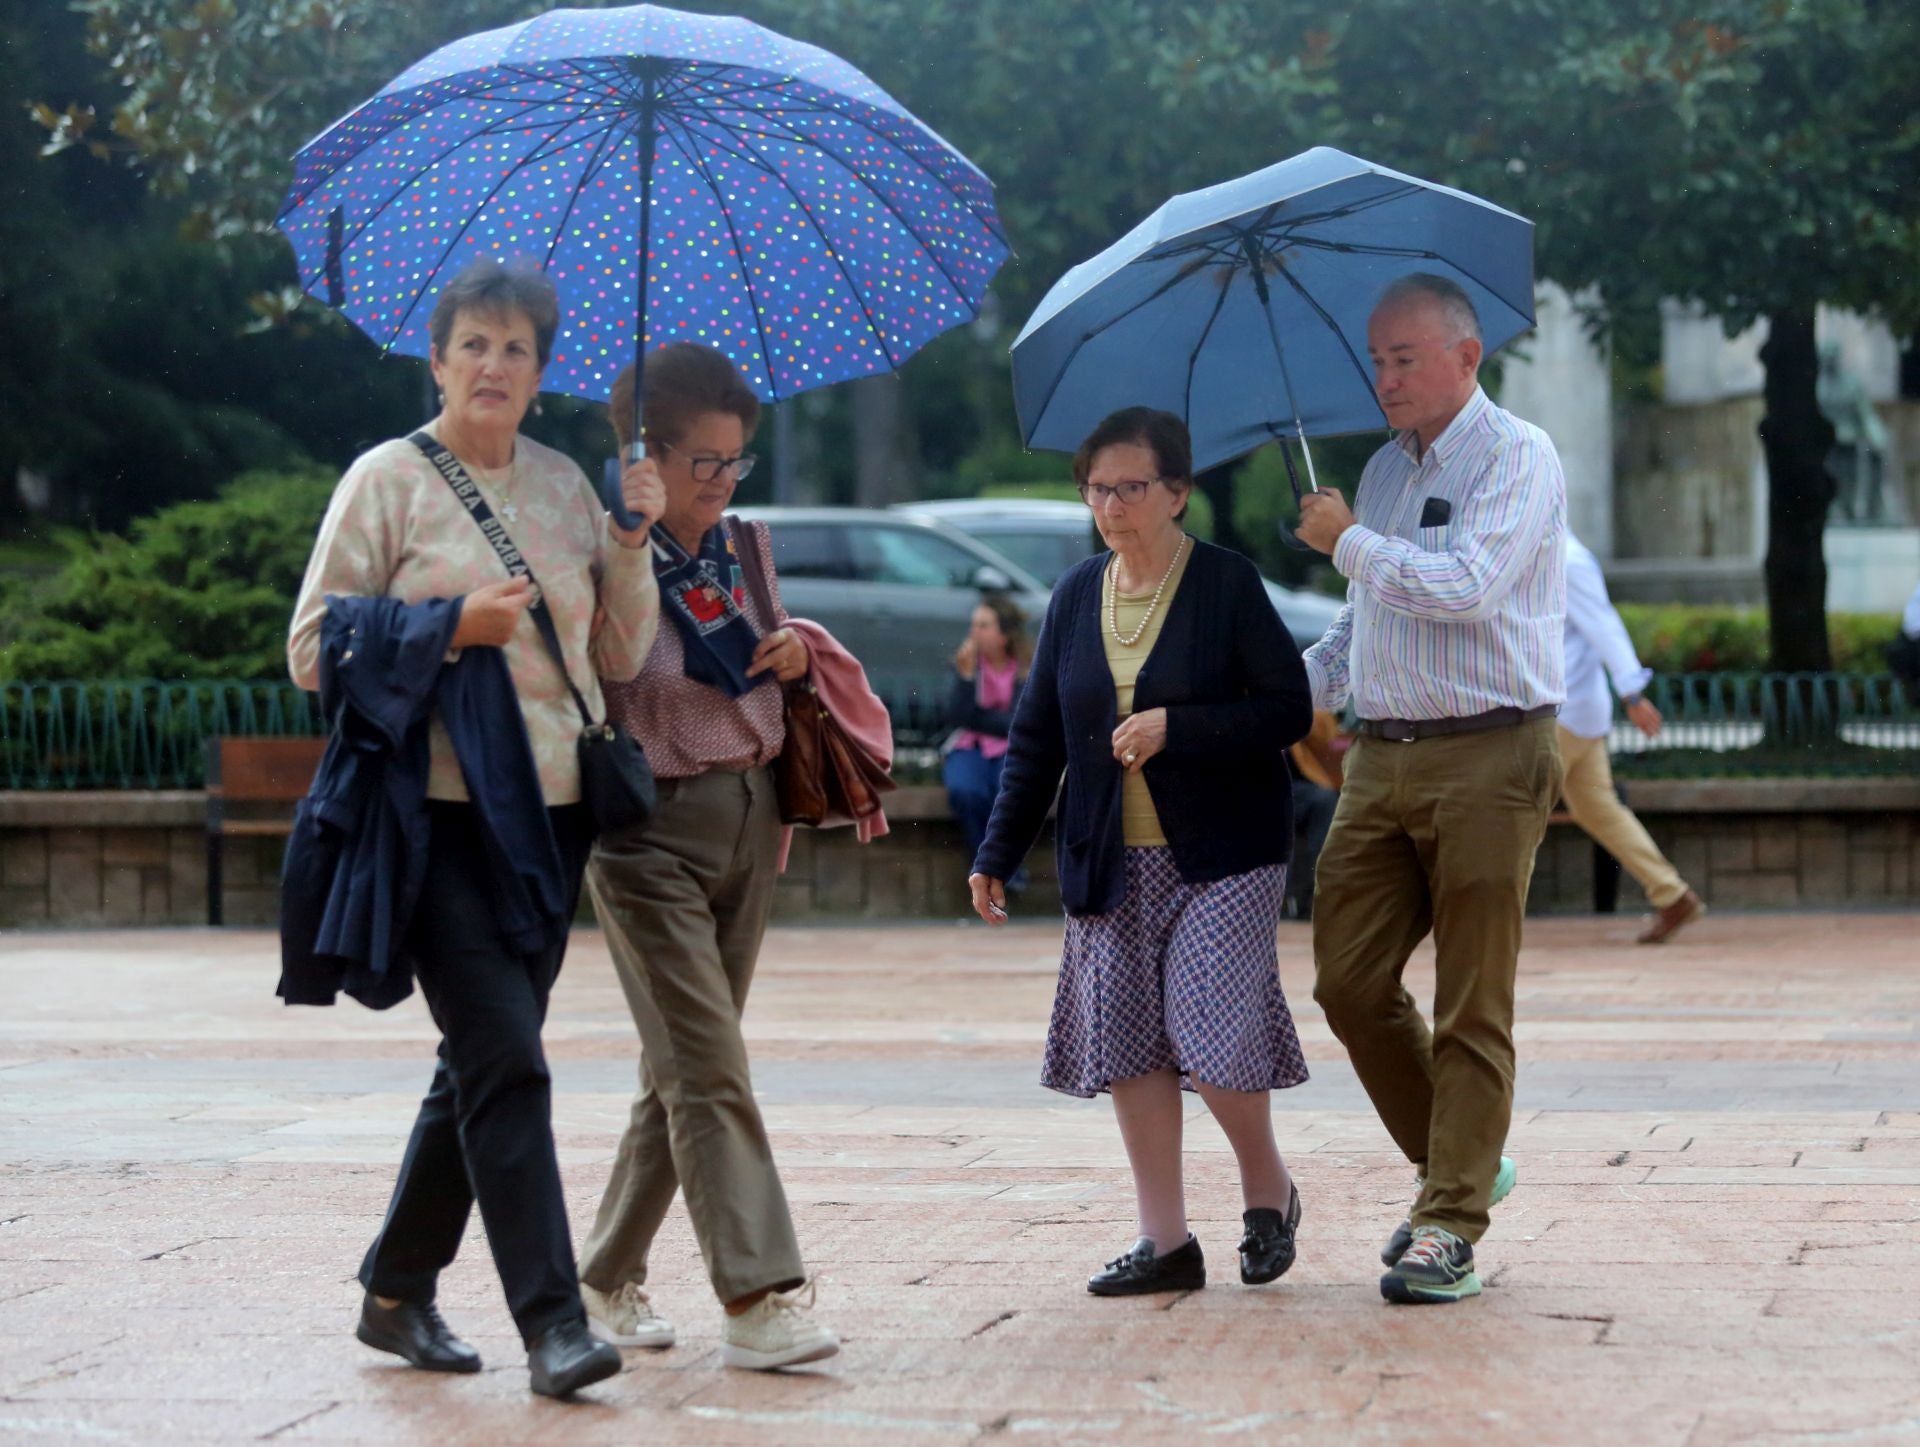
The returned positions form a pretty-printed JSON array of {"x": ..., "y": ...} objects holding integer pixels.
[{"x": 1406, "y": 731}]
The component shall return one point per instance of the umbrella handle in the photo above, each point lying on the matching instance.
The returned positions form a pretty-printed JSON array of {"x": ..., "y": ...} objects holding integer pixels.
[
  {"x": 610, "y": 486},
  {"x": 1287, "y": 534}
]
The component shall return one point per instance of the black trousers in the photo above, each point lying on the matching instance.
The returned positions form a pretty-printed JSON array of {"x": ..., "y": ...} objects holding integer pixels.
[
  {"x": 485, "y": 1129},
  {"x": 1313, "y": 808}
]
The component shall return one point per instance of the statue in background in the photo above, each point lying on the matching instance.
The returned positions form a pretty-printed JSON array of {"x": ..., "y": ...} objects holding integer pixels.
[{"x": 1858, "y": 459}]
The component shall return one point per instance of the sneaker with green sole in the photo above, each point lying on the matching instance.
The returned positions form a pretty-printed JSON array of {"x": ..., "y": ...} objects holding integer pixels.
[
  {"x": 1402, "y": 1236},
  {"x": 1436, "y": 1269}
]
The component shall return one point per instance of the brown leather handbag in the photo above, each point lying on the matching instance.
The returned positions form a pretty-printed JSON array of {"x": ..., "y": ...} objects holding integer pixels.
[{"x": 823, "y": 775}]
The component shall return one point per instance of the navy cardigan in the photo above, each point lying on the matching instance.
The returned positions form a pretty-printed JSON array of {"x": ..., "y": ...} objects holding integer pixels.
[{"x": 1236, "y": 696}]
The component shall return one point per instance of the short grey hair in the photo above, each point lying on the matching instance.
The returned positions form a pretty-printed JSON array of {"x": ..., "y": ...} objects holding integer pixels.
[
  {"x": 498, "y": 290},
  {"x": 1454, "y": 303}
]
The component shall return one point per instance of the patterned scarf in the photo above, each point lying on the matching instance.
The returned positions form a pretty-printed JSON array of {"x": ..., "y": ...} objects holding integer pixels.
[{"x": 705, "y": 597}]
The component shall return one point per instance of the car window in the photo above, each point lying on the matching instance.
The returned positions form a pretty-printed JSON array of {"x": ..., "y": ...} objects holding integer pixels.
[
  {"x": 907, "y": 555},
  {"x": 1045, "y": 555},
  {"x": 808, "y": 550}
]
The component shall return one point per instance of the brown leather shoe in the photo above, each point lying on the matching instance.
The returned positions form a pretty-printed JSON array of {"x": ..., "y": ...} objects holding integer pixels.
[{"x": 1675, "y": 917}]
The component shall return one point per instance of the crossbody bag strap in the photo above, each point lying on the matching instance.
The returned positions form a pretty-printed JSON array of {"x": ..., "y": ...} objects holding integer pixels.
[
  {"x": 746, "y": 545},
  {"x": 491, "y": 528}
]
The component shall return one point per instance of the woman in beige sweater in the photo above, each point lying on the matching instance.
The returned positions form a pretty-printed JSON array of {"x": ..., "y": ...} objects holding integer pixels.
[{"x": 396, "y": 529}]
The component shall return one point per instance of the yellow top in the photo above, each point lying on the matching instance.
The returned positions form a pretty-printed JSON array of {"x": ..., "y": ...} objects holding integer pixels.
[{"x": 1139, "y": 822}]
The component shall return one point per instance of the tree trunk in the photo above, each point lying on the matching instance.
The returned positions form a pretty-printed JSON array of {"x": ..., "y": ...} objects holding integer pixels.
[
  {"x": 1796, "y": 437},
  {"x": 884, "y": 469},
  {"x": 1216, "y": 484}
]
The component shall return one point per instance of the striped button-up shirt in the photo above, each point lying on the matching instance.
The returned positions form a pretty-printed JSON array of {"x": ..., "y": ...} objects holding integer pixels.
[{"x": 1463, "y": 615}]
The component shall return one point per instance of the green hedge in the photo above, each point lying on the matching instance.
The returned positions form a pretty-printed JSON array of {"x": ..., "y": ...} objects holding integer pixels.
[{"x": 1682, "y": 638}]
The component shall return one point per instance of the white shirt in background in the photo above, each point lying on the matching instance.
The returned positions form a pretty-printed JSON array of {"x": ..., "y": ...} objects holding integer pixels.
[{"x": 1597, "y": 647}]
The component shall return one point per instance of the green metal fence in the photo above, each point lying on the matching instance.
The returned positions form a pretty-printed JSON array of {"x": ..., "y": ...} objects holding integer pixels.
[
  {"x": 138, "y": 734},
  {"x": 1760, "y": 724},
  {"x": 151, "y": 735}
]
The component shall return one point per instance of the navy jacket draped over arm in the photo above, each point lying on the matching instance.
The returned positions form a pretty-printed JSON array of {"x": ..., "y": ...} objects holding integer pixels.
[
  {"x": 1236, "y": 696},
  {"x": 356, "y": 860}
]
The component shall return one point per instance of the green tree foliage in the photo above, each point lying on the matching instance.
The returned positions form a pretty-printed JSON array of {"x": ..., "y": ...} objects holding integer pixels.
[
  {"x": 199, "y": 590},
  {"x": 1756, "y": 156}
]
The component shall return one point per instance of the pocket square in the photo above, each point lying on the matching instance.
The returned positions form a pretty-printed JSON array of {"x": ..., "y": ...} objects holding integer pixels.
[{"x": 1437, "y": 513}]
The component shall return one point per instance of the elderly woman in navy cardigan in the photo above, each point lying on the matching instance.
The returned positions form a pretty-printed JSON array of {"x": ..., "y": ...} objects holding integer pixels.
[{"x": 1166, "y": 690}]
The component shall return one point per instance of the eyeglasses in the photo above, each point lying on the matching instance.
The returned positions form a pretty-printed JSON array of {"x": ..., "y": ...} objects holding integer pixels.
[
  {"x": 1093, "y": 494},
  {"x": 706, "y": 469}
]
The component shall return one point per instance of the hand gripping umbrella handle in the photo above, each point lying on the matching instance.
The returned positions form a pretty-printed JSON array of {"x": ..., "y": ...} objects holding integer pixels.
[{"x": 610, "y": 485}]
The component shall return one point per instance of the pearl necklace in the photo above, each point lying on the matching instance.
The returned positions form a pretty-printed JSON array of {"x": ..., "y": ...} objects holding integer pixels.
[{"x": 1113, "y": 595}]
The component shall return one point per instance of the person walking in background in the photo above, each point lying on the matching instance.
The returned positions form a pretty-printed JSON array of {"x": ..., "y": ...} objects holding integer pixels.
[
  {"x": 1166, "y": 690},
  {"x": 1450, "y": 646},
  {"x": 1315, "y": 765},
  {"x": 684, "y": 898},
  {"x": 1598, "y": 647},
  {"x": 486, "y": 958},
  {"x": 989, "y": 669}
]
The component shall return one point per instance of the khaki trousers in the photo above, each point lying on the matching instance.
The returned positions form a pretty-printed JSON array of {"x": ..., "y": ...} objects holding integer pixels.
[
  {"x": 684, "y": 901},
  {"x": 1595, "y": 807},
  {"x": 1439, "y": 836}
]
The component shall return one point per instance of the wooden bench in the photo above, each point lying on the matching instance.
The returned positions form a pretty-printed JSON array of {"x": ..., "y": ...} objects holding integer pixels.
[{"x": 252, "y": 786}]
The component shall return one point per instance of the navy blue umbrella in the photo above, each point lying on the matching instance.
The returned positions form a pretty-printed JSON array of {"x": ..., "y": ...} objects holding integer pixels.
[
  {"x": 1243, "y": 307},
  {"x": 679, "y": 177}
]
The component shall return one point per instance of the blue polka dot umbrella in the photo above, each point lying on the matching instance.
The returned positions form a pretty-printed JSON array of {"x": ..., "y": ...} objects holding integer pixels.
[{"x": 790, "y": 212}]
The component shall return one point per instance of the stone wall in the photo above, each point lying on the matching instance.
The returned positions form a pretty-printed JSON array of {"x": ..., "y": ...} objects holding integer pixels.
[{"x": 73, "y": 859}]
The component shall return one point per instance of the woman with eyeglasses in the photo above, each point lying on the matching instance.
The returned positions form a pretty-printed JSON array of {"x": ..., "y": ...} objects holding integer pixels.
[
  {"x": 1167, "y": 691},
  {"x": 684, "y": 897}
]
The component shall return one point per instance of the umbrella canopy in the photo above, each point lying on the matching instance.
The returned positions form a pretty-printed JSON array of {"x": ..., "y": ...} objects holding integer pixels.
[
  {"x": 793, "y": 215},
  {"x": 1243, "y": 308}
]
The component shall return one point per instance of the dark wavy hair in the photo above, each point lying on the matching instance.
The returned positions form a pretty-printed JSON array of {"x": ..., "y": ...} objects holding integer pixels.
[
  {"x": 684, "y": 380},
  {"x": 1161, "y": 433}
]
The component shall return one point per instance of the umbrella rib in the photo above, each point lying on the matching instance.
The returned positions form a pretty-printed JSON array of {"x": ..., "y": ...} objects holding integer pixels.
[
  {"x": 1060, "y": 375},
  {"x": 1193, "y": 357},
  {"x": 1340, "y": 336},
  {"x": 505, "y": 125},
  {"x": 537, "y": 154},
  {"x": 740, "y": 255},
  {"x": 1362, "y": 248},
  {"x": 853, "y": 286},
  {"x": 587, "y": 173},
  {"x": 899, "y": 216},
  {"x": 465, "y": 226},
  {"x": 490, "y": 128},
  {"x": 990, "y": 221}
]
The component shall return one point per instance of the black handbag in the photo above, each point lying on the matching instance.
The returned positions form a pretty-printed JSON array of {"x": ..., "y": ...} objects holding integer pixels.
[{"x": 616, "y": 781}]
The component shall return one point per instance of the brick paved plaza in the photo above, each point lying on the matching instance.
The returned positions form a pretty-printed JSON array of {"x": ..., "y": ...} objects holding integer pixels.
[{"x": 1713, "y": 1240}]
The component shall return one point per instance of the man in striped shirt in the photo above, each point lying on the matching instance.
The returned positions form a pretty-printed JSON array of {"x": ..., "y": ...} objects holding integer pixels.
[{"x": 1450, "y": 649}]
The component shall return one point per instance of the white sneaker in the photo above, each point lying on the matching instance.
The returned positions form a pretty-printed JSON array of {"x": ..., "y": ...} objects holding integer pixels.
[
  {"x": 625, "y": 1317},
  {"x": 773, "y": 1332}
]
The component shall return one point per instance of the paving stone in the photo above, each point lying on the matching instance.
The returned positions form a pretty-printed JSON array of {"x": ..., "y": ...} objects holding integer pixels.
[{"x": 1719, "y": 1179}]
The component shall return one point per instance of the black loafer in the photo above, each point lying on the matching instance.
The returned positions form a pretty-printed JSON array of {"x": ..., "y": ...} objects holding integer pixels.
[
  {"x": 417, "y": 1333},
  {"x": 568, "y": 1357},
  {"x": 1141, "y": 1271},
  {"x": 1266, "y": 1251}
]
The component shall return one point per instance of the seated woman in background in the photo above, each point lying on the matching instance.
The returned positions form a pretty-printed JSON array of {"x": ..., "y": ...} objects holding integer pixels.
[{"x": 990, "y": 669}]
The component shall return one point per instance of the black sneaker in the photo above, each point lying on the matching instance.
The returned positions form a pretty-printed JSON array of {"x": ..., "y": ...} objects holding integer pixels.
[
  {"x": 1437, "y": 1267},
  {"x": 1141, "y": 1271},
  {"x": 1266, "y": 1251}
]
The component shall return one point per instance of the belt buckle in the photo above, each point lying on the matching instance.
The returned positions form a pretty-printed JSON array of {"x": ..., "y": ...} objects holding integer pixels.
[{"x": 1404, "y": 734}]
